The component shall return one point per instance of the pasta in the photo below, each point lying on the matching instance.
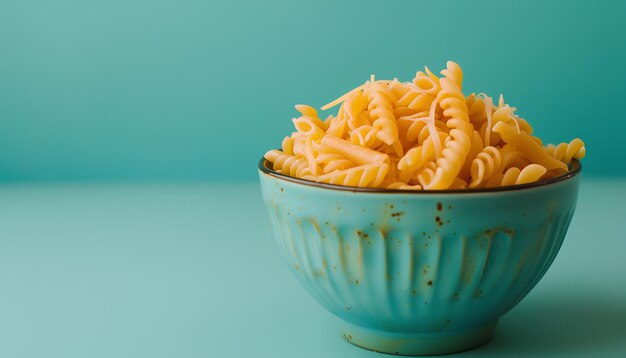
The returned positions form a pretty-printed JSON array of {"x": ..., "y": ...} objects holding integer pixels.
[
  {"x": 455, "y": 152},
  {"x": 419, "y": 135},
  {"x": 487, "y": 163},
  {"x": 513, "y": 175},
  {"x": 566, "y": 151}
]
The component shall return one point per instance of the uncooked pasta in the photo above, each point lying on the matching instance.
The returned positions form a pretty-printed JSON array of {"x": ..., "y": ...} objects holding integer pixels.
[{"x": 419, "y": 135}]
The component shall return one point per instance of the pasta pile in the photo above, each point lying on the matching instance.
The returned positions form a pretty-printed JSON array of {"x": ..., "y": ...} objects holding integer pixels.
[{"x": 419, "y": 135}]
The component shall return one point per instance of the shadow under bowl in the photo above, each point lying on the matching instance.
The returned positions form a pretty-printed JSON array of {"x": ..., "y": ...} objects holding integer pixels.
[{"x": 418, "y": 272}]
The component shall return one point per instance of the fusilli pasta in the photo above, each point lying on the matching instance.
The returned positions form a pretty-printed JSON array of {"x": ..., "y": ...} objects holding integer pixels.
[{"x": 419, "y": 135}]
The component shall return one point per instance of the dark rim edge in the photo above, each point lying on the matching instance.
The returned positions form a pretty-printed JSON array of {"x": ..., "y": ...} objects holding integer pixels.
[{"x": 576, "y": 169}]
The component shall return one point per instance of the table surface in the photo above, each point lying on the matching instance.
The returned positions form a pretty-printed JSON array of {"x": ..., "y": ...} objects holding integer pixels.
[{"x": 190, "y": 270}]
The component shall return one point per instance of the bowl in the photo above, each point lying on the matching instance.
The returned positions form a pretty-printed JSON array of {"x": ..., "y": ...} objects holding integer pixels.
[{"x": 418, "y": 272}]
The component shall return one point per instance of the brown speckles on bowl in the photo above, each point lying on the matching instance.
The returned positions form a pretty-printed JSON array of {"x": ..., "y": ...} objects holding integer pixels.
[{"x": 438, "y": 220}]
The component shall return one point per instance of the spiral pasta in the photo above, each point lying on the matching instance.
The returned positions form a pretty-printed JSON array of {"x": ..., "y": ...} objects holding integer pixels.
[
  {"x": 566, "y": 151},
  {"x": 487, "y": 163},
  {"x": 453, "y": 155},
  {"x": 529, "y": 174},
  {"x": 380, "y": 109},
  {"x": 419, "y": 135},
  {"x": 289, "y": 164},
  {"x": 368, "y": 175}
]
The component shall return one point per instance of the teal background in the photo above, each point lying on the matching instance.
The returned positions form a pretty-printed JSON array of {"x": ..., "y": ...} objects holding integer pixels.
[{"x": 198, "y": 90}]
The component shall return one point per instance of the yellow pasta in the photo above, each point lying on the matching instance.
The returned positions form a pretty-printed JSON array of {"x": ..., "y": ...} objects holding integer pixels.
[
  {"x": 530, "y": 173},
  {"x": 420, "y": 155},
  {"x": 566, "y": 151},
  {"x": 454, "y": 154},
  {"x": 288, "y": 164},
  {"x": 358, "y": 154},
  {"x": 380, "y": 109},
  {"x": 487, "y": 163},
  {"x": 532, "y": 150},
  {"x": 368, "y": 175},
  {"x": 419, "y": 135}
]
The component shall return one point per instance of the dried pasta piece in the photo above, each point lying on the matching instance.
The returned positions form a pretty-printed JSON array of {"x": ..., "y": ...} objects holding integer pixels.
[
  {"x": 476, "y": 110},
  {"x": 416, "y": 157},
  {"x": 299, "y": 144},
  {"x": 476, "y": 147},
  {"x": 453, "y": 156},
  {"x": 338, "y": 126},
  {"x": 288, "y": 164},
  {"x": 365, "y": 135},
  {"x": 368, "y": 175},
  {"x": 309, "y": 122},
  {"x": 566, "y": 151},
  {"x": 333, "y": 161},
  {"x": 487, "y": 163},
  {"x": 453, "y": 72},
  {"x": 358, "y": 154},
  {"x": 380, "y": 109},
  {"x": 532, "y": 150},
  {"x": 427, "y": 83},
  {"x": 530, "y": 173},
  {"x": 411, "y": 100}
]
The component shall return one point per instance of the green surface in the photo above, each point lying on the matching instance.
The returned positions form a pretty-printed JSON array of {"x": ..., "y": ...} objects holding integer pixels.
[
  {"x": 193, "y": 271},
  {"x": 193, "y": 90}
]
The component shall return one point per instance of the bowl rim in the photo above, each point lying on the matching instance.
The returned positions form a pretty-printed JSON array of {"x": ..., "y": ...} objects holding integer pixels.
[{"x": 573, "y": 172}]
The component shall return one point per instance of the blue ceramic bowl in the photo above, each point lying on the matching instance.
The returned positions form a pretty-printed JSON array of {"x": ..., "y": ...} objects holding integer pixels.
[{"x": 418, "y": 272}]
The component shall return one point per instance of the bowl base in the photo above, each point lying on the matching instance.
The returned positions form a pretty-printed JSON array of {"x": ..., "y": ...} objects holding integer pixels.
[{"x": 402, "y": 343}]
